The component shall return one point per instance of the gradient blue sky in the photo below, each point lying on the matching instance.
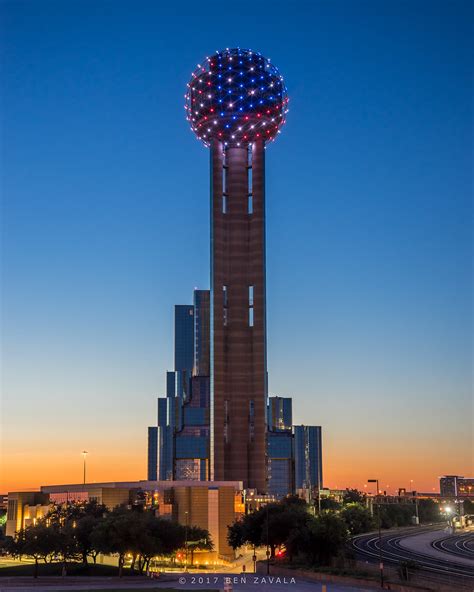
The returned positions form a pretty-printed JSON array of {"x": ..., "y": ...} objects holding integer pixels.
[{"x": 369, "y": 226}]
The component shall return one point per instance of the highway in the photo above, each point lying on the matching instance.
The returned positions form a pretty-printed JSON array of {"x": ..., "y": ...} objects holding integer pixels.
[{"x": 440, "y": 557}]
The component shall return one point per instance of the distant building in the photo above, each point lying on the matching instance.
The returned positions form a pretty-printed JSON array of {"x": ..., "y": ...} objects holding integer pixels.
[
  {"x": 153, "y": 453},
  {"x": 211, "y": 506},
  {"x": 184, "y": 337},
  {"x": 456, "y": 486},
  {"x": 183, "y": 426},
  {"x": 202, "y": 336},
  {"x": 280, "y": 469},
  {"x": 294, "y": 454},
  {"x": 179, "y": 447},
  {"x": 280, "y": 461},
  {"x": 279, "y": 414},
  {"x": 308, "y": 457},
  {"x": 3, "y": 502},
  {"x": 22, "y": 504}
]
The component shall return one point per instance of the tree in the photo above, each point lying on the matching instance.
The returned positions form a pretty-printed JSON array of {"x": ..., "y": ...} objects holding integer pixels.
[
  {"x": 322, "y": 538},
  {"x": 75, "y": 523},
  {"x": 83, "y": 533},
  {"x": 198, "y": 539},
  {"x": 272, "y": 524},
  {"x": 428, "y": 511},
  {"x": 353, "y": 496},
  {"x": 38, "y": 542},
  {"x": 396, "y": 515},
  {"x": 329, "y": 503},
  {"x": 357, "y": 518},
  {"x": 140, "y": 533},
  {"x": 118, "y": 532}
]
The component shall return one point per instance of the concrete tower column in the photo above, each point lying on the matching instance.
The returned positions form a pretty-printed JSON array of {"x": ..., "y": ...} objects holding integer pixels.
[{"x": 238, "y": 323}]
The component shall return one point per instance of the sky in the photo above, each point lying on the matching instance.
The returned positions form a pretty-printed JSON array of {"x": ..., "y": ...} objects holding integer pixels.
[{"x": 105, "y": 209}]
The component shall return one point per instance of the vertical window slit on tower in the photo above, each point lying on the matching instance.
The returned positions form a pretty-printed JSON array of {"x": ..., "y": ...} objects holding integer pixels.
[
  {"x": 249, "y": 180},
  {"x": 225, "y": 304},
  {"x": 224, "y": 187},
  {"x": 250, "y": 306},
  {"x": 251, "y": 420},
  {"x": 226, "y": 421}
]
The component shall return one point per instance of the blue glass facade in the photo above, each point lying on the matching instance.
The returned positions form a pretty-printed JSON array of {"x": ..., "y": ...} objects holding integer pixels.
[
  {"x": 279, "y": 414},
  {"x": 308, "y": 457},
  {"x": 202, "y": 332},
  {"x": 152, "y": 453},
  {"x": 294, "y": 454},
  {"x": 179, "y": 446},
  {"x": 184, "y": 337},
  {"x": 182, "y": 450},
  {"x": 279, "y": 446}
]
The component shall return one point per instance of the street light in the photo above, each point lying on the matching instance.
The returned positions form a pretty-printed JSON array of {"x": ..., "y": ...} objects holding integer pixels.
[
  {"x": 380, "y": 530},
  {"x": 84, "y": 455},
  {"x": 186, "y": 513},
  {"x": 268, "y": 546}
]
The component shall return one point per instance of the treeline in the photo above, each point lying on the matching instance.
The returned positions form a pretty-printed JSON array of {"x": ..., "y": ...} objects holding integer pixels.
[
  {"x": 293, "y": 527},
  {"x": 288, "y": 524},
  {"x": 81, "y": 531},
  {"x": 354, "y": 505}
]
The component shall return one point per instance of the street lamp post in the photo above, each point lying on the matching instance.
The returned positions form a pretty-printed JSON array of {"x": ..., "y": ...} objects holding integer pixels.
[
  {"x": 415, "y": 495},
  {"x": 380, "y": 530},
  {"x": 84, "y": 455},
  {"x": 186, "y": 543},
  {"x": 268, "y": 546}
]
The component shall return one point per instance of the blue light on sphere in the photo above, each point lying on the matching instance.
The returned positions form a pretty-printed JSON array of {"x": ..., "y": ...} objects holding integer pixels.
[{"x": 225, "y": 102}]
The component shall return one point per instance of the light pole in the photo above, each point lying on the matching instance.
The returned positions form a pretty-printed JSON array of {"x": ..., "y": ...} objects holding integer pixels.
[
  {"x": 380, "y": 530},
  {"x": 415, "y": 495},
  {"x": 186, "y": 513},
  {"x": 268, "y": 546},
  {"x": 84, "y": 455}
]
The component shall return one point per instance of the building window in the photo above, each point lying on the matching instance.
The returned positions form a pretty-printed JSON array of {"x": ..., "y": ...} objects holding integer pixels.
[
  {"x": 224, "y": 203},
  {"x": 250, "y": 205},
  {"x": 226, "y": 421},
  {"x": 225, "y": 305},
  {"x": 250, "y": 306},
  {"x": 249, "y": 155},
  {"x": 249, "y": 180},
  {"x": 251, "y": 420}
]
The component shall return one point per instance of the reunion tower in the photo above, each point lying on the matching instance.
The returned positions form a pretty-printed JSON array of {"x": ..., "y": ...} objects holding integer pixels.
[{"x": 236, "y": 103}]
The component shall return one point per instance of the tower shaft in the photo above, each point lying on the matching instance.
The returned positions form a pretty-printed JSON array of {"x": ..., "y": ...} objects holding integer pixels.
[{"x": 238, "y": 323}]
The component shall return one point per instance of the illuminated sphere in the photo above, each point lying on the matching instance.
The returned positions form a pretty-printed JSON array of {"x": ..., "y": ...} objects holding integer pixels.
[{"x": 237, "y": 97}]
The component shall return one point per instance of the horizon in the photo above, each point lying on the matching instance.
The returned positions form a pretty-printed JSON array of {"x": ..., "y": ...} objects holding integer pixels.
[{"x": 369, "y": 230}]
